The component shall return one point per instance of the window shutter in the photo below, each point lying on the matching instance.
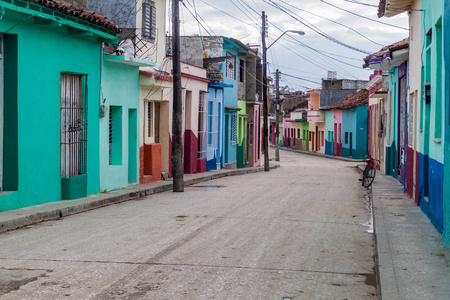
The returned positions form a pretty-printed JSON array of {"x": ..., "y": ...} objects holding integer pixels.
[
  {"x": 153, "y": 21},
  {"x": 149, "y": 20}
]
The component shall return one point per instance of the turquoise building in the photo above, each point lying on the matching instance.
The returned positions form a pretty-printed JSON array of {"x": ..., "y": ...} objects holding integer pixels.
[
  {"x": 446, "y": 190},
  {"x": 50, "y": 65},
  {"x": 352, "y": 132},
  {"x": 432, "y": 115},
  {"x": 329, "y": 132}
]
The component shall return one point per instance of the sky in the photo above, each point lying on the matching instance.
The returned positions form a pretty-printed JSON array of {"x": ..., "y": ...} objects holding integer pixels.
[{"x": 338, "y": 33}]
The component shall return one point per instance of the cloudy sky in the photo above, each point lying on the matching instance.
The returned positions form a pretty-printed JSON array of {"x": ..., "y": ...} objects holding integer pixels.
[{"x": 338, "y": 33}]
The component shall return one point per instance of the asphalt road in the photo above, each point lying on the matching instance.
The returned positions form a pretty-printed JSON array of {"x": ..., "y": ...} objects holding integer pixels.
[{"x": 297, "y": 232}]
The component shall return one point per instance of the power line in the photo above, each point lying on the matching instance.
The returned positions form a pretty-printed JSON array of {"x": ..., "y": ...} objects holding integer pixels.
[
  {"x": 364, "y": 17},
  {"x": 348, "y": 27},
  {"x": 314, "y": 28}
]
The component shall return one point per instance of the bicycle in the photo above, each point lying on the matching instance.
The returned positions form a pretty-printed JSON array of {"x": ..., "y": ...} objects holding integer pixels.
[{"x": 369, "y": 172}]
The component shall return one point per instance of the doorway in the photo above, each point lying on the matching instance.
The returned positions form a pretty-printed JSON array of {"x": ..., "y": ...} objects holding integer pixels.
[{"x": 1, "y": 114}]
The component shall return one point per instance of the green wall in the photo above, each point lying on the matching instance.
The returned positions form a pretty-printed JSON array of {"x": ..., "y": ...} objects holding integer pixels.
[
  {"x": 43, "y": 53},
  {"x": 242, "y": 124},
  {"x": 120, "y": 91}
]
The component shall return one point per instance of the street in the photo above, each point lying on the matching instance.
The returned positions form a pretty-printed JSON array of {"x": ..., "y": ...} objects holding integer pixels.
[{"x": 297, "y": 232}]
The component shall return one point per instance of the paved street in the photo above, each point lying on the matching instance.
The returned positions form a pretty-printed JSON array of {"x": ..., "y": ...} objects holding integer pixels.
[{"x": 297, "y": 232}]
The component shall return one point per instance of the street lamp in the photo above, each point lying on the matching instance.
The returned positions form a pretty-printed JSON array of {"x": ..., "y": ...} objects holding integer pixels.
[
  {"x": 299, "y": 32},
  {"x": 265, "y": 100}
]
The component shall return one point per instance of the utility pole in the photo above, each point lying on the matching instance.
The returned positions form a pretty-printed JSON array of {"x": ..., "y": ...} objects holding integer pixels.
[
  {"x": 177, "y": 117},
  {"x": 277, "y": 118},
  {"x": 265, "y": 106}
]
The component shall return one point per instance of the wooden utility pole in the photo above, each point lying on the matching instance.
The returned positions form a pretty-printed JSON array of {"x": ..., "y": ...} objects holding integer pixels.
[
  {"x": 265, "y": 106},
  {"x": 277, "y": 118},
  {"x": 177, "y": 117}
]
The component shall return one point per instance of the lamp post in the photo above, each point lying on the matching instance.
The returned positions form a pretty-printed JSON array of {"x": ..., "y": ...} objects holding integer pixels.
[{"x": 265, "y": 106}]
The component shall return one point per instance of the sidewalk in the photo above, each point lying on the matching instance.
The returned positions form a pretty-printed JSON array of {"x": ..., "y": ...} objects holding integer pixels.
[
  {"x": 14, "y": 219},
  {"x": 412, "y": 259}
]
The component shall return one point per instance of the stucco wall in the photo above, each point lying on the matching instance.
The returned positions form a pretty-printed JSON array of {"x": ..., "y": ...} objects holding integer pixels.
[
  {"x": 120, "y": 87},
  {"x": 51, "y": 50}
]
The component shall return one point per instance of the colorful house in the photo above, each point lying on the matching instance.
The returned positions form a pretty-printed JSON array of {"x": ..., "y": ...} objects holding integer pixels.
[
  {"x": 119, "y": 121},
  {"x": 143, "y": 37},
  {"x": 50, "y": 119},
  {"x": 353, "y": 133},
  {"x": 194, "y": 116},
  {"x": 378, "y": 107},
  {"x": 428, "y": 103},
  {"x": 393, "y": 59},
  {"x": 316, "y": 120},
  {"x": 329, "y": 132}
]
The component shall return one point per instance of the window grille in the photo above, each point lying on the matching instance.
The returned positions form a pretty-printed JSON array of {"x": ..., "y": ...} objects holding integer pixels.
[
  {"x": 202, "y": 128},
  {"x": 234, "y": 128},
  {"x": 150, "y": 119},
  {"x": 412, "y": 101},
  {"x": 231, "y": 62},
  {"x": 149, "y": 20},
  {"x": 74, "y": 115}
]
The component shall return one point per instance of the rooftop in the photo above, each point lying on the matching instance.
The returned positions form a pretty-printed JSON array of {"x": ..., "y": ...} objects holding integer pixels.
[
  {"x": 357, "y": 99},
  {"x": 70, "y": 10}
]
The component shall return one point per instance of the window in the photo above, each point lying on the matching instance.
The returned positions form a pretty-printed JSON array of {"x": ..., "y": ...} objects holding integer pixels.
[
  {"x": 149, "y": 119},
  {"x": 339, "y": 134},
  {"x": 242, "y": 70},
  {"x": 73, "y": 124},
  {"x": 234, "y": 128},
  {"x": 346, "y": 138},
  {"x": 231, "y": 61},
  {"x": 149, "y": 20},
  {"x": 213, "y": 123},
  {"x": 202, "y": 130},
  {"x": 115, "y": 135}
]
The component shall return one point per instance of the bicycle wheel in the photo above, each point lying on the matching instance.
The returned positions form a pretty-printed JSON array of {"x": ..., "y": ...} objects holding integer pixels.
[{"x": 369, "y": 176}]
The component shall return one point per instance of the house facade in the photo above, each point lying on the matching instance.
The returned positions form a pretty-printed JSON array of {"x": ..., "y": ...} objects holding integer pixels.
[
  {"x": 353, "y": 127},
  {"x": 427, "y": 107},
  {"x": 143, "y": 38},
  {"x": 50, "y": 119},
  {"x": 119, "y": 121}
]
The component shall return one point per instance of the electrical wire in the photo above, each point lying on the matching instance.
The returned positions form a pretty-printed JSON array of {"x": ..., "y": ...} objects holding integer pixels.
[
  {"x": 335, "y": 22},
  {"x": 364, "y": 17},
  {"x": 314, "y": 28}
]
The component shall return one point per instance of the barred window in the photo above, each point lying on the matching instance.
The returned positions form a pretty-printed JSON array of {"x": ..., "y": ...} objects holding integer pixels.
[
  {"x": 149, "y": 20},
  {"x": 202, "y": 128},
  {"x": 234, "y": 128},
  {"x": 231, "y": 70},
  {"x": 73, "y": 124}
]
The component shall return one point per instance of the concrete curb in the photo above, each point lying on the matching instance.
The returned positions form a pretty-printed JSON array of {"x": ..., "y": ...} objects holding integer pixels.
[
  {"x": 320, "y": 154},
  {"x": 18, "y": 218}
]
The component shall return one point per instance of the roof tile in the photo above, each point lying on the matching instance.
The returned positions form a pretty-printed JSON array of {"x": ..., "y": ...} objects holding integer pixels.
[
  {"x": 357, "y": 99},
  {"x": 71, "y": 10}
]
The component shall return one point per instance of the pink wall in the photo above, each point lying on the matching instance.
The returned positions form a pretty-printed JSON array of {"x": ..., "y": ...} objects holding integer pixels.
[{"x": 337, "y": 132}]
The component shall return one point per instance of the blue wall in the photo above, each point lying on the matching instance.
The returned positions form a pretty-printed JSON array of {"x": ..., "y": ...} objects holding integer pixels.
[
  {"x": 431, "y": 191},
  {"x": 446, "y": 189},
  {"x": 230, "y": 98}
]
